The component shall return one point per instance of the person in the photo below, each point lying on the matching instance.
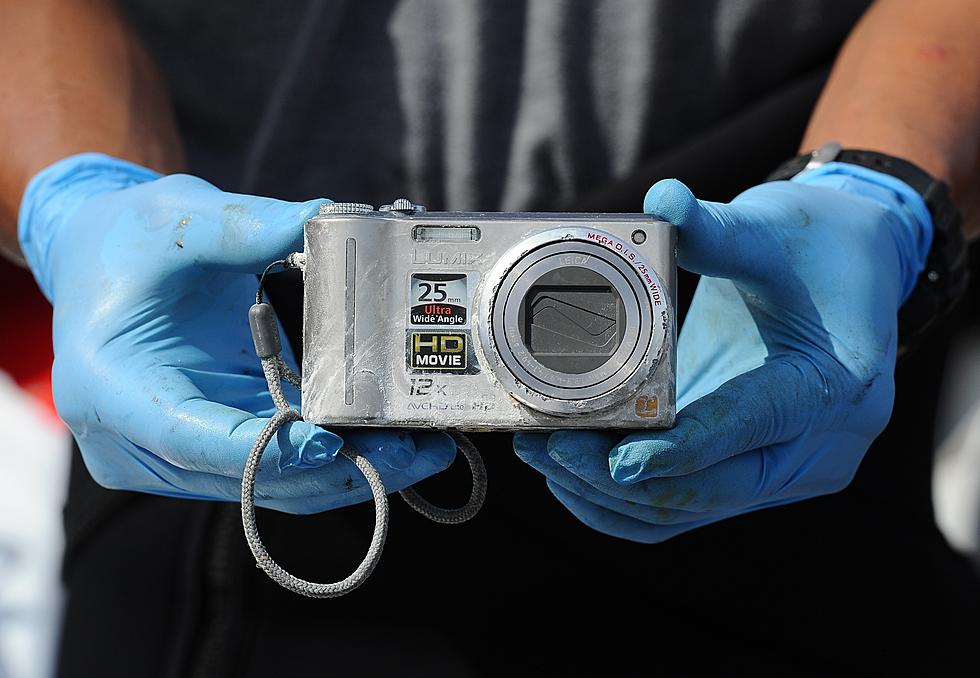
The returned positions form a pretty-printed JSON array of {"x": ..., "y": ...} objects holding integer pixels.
[{"x": 786, "y": 359}]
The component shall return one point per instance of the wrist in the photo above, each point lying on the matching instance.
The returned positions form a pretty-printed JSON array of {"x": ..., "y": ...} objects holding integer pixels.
[
  {"x": 912, "y": 223},
  {"x": 57, "y": 191}
]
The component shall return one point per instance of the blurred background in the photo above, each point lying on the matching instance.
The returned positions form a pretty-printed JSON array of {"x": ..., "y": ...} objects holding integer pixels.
[
  {"x": 35, "y": 448},
  {"x": 34, "y": 454}
]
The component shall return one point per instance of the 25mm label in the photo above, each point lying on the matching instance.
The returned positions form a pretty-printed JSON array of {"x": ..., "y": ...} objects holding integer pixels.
[{"x": 438, "y": 299}]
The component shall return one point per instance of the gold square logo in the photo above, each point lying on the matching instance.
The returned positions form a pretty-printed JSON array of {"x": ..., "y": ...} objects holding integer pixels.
[{"x": 647, "y": 406}]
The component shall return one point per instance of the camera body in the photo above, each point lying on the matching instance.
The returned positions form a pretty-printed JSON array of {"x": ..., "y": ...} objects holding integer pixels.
[{"x": 483, "y": 321}]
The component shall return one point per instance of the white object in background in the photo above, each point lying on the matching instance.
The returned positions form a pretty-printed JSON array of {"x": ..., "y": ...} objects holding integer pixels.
[
  {"x": 956, "y": 469},
  {"x": 34, "y": 457}
]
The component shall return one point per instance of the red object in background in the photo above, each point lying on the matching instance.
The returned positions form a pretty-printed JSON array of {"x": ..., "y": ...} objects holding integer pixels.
[{"x": 27, "y": 353}]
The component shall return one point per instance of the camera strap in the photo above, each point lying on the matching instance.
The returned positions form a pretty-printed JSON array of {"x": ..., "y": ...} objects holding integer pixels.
[{"x": 265, "y": 334}]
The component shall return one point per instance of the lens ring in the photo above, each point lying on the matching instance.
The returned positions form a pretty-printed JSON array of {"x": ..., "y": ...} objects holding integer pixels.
[
  {"x": 551, "y": 383},
  {"x": 654, "y": 357}
]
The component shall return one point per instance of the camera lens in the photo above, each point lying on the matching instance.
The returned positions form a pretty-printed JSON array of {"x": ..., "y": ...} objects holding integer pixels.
[{"x": 572, "y": 320}]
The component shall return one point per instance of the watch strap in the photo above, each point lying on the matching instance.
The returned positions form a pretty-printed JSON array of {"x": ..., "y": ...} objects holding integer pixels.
[{"x": 945, "y": 277}]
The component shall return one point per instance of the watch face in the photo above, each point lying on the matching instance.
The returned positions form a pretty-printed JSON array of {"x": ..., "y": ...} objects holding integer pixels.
[{"x": 789, "y": 169}]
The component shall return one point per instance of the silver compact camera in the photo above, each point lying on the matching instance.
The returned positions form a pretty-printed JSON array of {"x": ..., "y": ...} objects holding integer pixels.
[{"x": 478, "y": 321}]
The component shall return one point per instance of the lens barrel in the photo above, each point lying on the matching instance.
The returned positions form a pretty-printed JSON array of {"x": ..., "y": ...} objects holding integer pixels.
[{"x": 572, "y": 321}]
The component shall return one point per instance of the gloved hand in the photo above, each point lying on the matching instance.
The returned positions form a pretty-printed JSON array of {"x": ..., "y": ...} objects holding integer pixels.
[
  {"x": 155, "y": 373},
  {"x": 785, "y": 361}
]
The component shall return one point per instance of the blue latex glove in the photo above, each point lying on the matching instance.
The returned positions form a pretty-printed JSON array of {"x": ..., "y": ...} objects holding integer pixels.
[
  {"x": 155, "y": 373},
  {"x": 785, "y": 361}
]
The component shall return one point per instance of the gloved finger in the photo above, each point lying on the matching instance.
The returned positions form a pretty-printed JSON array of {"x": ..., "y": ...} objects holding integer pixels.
[
  {"x": 771, "y": 404},
  {"x": 547, "y": 454},
  {"x": 173, "y": 412},
  {"x": 166, "y": 413},
  {"x": 255, "y": 231},
  {"x": 618, "y": 525},
  {"x": 712, "y": 239},
  {"x": 116, "y": 462},
  {"x": 112, "y": 460},
  {"x": 735, "y": 483},
  {"x": 558, "y": 475},
  {"x": 210, "y": 437},
  {"x": 584, "y": 456},
  {"x": 342, "y": 484},
  {"x": 431, "y": 452},
  {"x": 224, "y": 230}
]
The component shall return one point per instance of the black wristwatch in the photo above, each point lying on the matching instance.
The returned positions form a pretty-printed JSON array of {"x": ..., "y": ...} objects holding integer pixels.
[{"x": 946, "y": 276}]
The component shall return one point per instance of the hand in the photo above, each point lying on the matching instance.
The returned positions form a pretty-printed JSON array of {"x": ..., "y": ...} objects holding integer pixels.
[
  {"x": 785, "y": 361},
  {"x": 155, "y": 374}
]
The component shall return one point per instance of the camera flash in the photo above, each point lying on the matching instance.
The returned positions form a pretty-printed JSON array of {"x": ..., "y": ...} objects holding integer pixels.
[{"x": 446, "y": 233}]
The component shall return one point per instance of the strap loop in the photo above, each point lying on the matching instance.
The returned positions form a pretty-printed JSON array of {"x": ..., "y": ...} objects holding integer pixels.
[{"x": 276, "y": 370}]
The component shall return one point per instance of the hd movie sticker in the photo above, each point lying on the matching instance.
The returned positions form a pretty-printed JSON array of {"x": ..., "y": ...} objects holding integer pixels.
[
  {"x": 446, "y": 352},
  {"x": 438, "y": 299}
]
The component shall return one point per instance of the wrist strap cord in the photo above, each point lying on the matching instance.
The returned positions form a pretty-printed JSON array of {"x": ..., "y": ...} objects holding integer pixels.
[{"x": 265, "y": 333}]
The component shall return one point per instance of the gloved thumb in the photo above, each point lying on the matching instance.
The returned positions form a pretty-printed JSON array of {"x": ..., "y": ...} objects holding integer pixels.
[
  {"x": 713, "y": 239},
  {"x": 230, "y": 231},
  {"x": 178, "y": 217}
]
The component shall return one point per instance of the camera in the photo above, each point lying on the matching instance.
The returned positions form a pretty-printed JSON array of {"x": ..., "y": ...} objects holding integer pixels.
[{"x": 484, "y": 320}]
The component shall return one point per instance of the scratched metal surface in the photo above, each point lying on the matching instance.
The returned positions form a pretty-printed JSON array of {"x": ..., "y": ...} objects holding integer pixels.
[{"x": 355, "y": 372}]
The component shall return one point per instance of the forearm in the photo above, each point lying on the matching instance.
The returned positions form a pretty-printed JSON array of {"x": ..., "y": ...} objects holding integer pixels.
[
  {"x": 907, "y": 83},
  {"x": 73, "y": 79}
]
